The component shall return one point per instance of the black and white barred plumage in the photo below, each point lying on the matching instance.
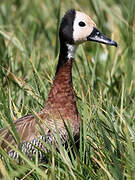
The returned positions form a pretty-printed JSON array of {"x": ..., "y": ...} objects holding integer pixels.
[{"x": 35, "y": 146}]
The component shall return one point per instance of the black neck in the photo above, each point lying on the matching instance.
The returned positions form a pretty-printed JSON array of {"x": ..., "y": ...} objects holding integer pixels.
[
  {"x": 67, "y": 52},
  {"x": 63, "y": 55}
]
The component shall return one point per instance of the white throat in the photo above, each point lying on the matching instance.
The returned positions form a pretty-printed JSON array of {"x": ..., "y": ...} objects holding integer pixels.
[{"x": 71, "y": 50}]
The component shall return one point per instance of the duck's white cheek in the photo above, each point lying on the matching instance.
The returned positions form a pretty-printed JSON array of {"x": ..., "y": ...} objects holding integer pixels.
[{"x": 80, "y": 35}]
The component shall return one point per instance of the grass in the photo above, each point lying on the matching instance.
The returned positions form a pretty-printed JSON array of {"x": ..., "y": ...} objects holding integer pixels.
[{"x": 104, "y": 83}]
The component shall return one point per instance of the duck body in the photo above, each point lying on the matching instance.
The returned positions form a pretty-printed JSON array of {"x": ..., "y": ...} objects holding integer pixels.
[{"x": 60, "y": 108}]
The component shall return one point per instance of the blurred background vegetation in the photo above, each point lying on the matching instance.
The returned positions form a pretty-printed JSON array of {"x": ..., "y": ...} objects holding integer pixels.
[{"x": 103, "y": 78}]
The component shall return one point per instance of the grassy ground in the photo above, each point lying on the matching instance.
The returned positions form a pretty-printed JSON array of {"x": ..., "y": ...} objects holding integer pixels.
[{"x": 104, "y": 83}]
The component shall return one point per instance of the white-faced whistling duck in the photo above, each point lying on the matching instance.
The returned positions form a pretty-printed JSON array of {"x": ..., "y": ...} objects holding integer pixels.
[{"x": 75, "y": 28}]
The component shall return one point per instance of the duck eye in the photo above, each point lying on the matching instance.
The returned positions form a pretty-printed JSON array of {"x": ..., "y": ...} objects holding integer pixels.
[{"x": 82, "y": 24}]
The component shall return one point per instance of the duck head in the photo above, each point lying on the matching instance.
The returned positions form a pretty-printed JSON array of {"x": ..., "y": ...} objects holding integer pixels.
[{"x": 77, "y": 27}]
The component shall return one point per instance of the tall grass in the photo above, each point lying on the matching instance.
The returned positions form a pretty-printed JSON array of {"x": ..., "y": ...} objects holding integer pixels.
[{"x": 104, "y": 83}]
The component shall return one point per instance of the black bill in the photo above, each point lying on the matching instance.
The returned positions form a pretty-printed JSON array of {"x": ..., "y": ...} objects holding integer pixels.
[{"x": 97, "y": 36}]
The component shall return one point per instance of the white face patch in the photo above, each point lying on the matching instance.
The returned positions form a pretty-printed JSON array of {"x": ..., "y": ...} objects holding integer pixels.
[
  {"x": 71, "y": 50},
  {"x": 80, "y": 33}
]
